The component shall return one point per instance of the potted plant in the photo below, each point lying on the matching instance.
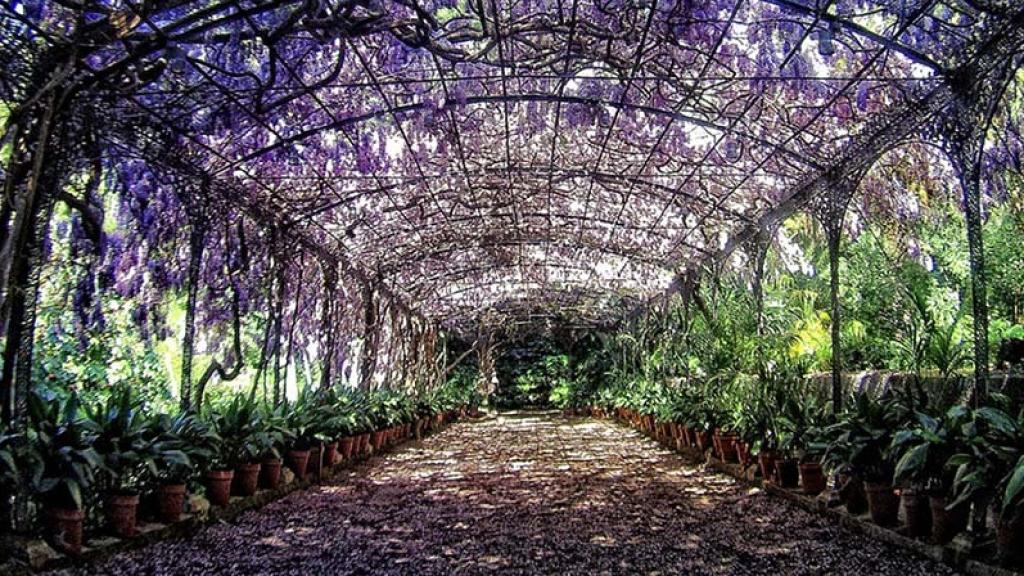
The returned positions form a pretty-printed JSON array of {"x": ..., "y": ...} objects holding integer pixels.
[
  {"x": 988, "y": 470},
  {"x": 67, "y": 466},
  {"x": 277, "y": 435},
  {"x": 300, "y": 421},
  {"x": 860, "y": 445},
  {"x": 922, "y": 451},
  {"x": 123, "y": 441},
  {"x": 990, "y": 448},
  {"x": 799, "y": 445},
  {"x": 180, "y": 444},
  {"x": 246, "y": 439}
]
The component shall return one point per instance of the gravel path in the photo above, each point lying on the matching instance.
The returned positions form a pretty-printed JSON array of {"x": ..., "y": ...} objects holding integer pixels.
[{"x": 527, "y": 494}]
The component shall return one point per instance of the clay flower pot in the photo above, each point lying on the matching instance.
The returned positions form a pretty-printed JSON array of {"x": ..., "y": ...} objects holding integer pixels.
[
  {"x": 247, "y": 477},
  {"x": 270, "y": 473},
  {"x": 346, "y": 446},
  {"x": 727, "y": 444},
  {"x": 1009, "y": 539},
  {"x": 64, "y": 529},
  {"x": 313, "y": 463},
  {"x": 703, "y": 440},
  {"x": 787, "y": 473},
  {"x": 742, "y": 453},
  {"x": 852, "y": 495},
  {"x": 296, "y": 461},
  {"x": 121, "y": 514},
  {"x": 170, "y": 499},
  {"x": 377, "y": 440},
  {"x": 883, "y": 503},
  {"x": 330, "y": 454},
  {"x": 918, "y": 513},
  {"x": 766, "y": 460},
  {"x": 218, "y": 486},
  {"x": 946, "y": 524},
  {"x": 812, "y": 479}
]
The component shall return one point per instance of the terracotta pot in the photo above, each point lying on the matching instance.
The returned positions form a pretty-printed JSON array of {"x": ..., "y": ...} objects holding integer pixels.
[
  {"x": 314, "y": 462},
  {"x": 852, "y": 495},
  {"x": 121, "y": 513},
  {"x": 766, "y": 460},
  {"x": 703, "y": 440},
  {"x": 727, "y": 443},
  {"x": 247, "y": 477},
  {"x": 170, "y": 500},
  {"x": 1010, "y": 540},
  {"x": 883, "y": 503},
  {"x": 812, "y": 479},
  {"x": 742, "y": 452},
  {"x": 918, "y": 513},
  {"x": 218, "y": 486},
  {"x": 296, "y": 460},
  {"x": 787, "y": 473},
  {"x": 64, "y": 529},
  {"x": 330, "y": 454},
  {"x": 947, "y": 523},
  {"x": 270, "y": 473},
  {"x": 377, "y": 440},
  {"x": 346, "y": 446}
]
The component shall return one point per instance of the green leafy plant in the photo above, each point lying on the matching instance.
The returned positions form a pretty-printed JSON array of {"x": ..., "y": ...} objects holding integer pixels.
[
  {"x": 924, "y": 448},
  {"x": 243, "y": 431},
  {"x": 182, "y": 444},
  {"x": 860, "y": 441},
  {"x": 122, "y": 438},
  {"x": 991, "y": 446},
  {"x": 68, "y": 464},
  {"x": 1012, "y": 502}
]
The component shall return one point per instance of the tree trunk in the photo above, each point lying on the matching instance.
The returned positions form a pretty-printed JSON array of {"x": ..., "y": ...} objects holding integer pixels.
[
  {"x": 197, "y": 243},
  {"x": 25, "y": 250},
  {"x": 835, "y": 233}
]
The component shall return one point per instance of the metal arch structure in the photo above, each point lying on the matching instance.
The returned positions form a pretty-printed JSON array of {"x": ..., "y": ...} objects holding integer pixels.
[{"x": 582, "y": 154}]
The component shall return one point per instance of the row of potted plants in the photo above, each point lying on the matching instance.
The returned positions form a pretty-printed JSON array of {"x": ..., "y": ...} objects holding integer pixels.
[
  {"x": 103, "y": 462},
  {"x": 880, "y": 451}
]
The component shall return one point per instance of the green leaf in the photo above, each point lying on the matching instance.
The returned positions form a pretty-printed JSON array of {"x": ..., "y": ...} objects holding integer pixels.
[
  {"x": 75, "y": 490},
  {"x": 1014, "y": 487},
  {"x": 912, "y": 463},
  {"x": 997, "y": 420}
]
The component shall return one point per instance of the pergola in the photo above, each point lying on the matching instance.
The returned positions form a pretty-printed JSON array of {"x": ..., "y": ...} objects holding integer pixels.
[{"x": 419, "y": 165}]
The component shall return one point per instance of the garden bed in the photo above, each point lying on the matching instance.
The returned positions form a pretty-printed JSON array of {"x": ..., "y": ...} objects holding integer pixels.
[
  {"x": 959, "y": 553},
  {"x": 524, "y": 495},
  {"x": 28, "y": 555}
]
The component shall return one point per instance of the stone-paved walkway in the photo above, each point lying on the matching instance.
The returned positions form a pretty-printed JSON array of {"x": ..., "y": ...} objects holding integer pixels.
[{"x": 533, "y": 494}]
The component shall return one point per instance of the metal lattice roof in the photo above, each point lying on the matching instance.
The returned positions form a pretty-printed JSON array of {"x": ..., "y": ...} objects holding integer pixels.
[{"x": 540, "y": 159}]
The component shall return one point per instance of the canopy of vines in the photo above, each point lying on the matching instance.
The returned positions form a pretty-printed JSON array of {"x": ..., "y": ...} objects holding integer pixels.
[{"x": 444, "y": 163}]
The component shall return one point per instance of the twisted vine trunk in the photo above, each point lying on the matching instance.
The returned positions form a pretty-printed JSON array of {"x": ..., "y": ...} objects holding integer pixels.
[
  {"x": 197, "y": 244},
  {"x": 22, "y": 257}
]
